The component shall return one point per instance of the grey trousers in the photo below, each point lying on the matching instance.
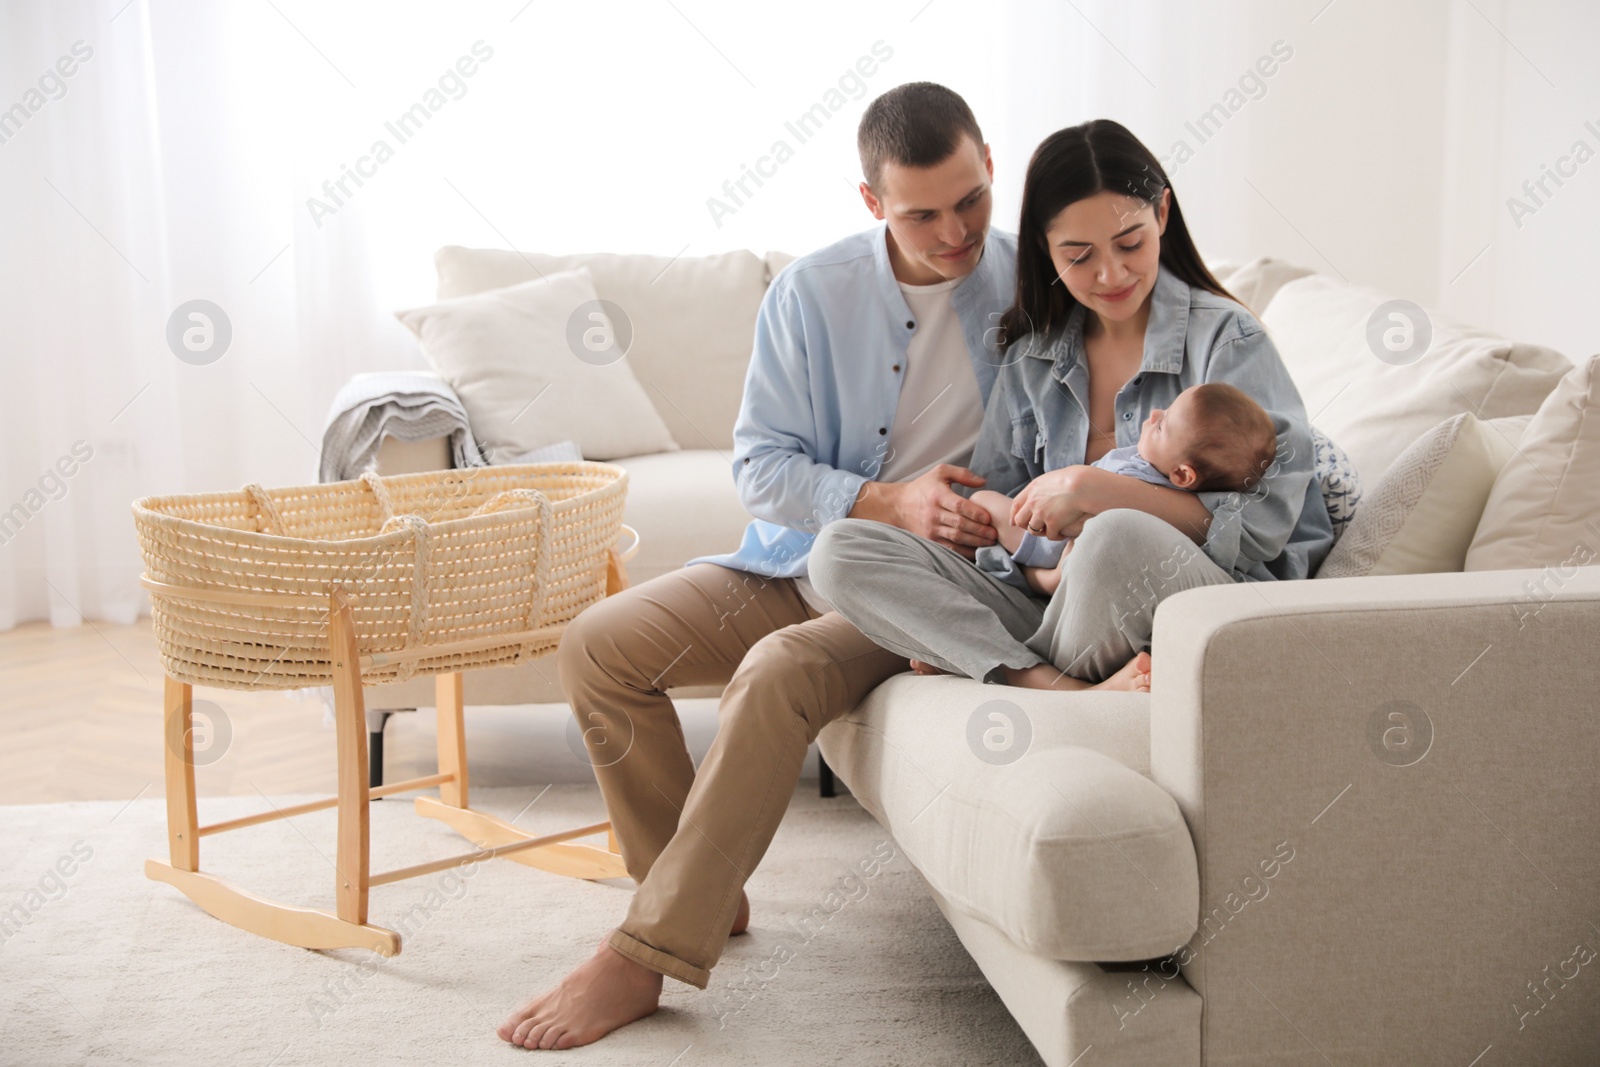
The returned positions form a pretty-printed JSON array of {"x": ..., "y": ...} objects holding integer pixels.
[{"x": 926, "y": 602}]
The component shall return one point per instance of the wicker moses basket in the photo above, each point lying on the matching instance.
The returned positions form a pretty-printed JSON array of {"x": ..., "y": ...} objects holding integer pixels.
[{"x": 364, "y": 582}]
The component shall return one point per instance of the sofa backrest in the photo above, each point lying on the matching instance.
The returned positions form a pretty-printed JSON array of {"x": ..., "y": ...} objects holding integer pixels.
[
  {"x": 1347, "y": 354},
  {"x": 692, "y": 317}
]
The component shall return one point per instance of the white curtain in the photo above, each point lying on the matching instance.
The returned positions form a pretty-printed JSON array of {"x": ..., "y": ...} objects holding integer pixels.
[{"x": 179, "y": 159}]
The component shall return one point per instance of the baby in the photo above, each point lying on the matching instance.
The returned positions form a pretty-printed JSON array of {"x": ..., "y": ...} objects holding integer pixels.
[{"x": 1212, "y": 438}]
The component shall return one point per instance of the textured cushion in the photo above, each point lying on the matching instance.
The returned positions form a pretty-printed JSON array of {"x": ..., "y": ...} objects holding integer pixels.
[
  {"x": 1421, "y": 515},
  {"x": 510, "y": 357},
  {"x": 1067, "y": 849},
  {"x": 1340, "y": 481},
  {"x": 1254, "y": 284},
  {"x": 776, "y": 261},
  {"x": 683, "y": 504},
  {"x": 1544, "y": 509},
  {"x": 692, "y": 319},
  {"x": 1374, "y": 408}
]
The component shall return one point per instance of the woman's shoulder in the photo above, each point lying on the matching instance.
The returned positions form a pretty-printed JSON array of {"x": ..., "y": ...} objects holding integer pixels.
[{"x": 1228, "y": 318}]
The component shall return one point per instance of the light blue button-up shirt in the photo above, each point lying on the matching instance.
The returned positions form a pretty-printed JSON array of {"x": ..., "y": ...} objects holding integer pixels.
[
  {"x": 1037, "y": 421},
  {"x": 824, "y": 385}
]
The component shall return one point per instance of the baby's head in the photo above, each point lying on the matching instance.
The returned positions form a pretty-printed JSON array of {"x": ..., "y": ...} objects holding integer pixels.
[{"x": 1213, "y": 437}]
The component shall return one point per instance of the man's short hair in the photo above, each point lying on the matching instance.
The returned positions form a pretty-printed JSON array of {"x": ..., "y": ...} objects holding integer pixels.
[
  {"x": 1235, "y": 442},
  {"x": 918, "y": 124}
]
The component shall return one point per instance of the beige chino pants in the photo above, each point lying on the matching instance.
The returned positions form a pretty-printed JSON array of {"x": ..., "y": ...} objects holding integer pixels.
[{"x": 691, "y": 839}]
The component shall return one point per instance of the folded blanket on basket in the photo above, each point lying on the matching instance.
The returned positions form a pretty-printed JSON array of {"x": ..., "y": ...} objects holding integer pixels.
[{"x": 408, "y": 405}]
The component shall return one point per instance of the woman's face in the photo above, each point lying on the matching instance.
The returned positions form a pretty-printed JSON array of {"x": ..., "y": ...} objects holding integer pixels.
[{"x": 1106, "y": 249}]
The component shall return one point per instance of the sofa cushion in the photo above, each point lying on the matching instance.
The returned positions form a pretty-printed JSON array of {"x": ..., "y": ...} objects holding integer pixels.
[
  {"x": 692, "y": 320},
  {"x": 1255, "y": 283},
  {"x": 1420, "y": 517},
  {"x": 507, "y": 350},
  {"x": 1544, "y": 509},
  {"x": 684, "y": 505},
  {"x": 1376, "y": 407},
  {"x": 1042, "y": 828}
]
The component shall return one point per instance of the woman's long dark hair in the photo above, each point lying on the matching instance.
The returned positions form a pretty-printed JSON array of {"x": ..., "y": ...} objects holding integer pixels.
[{"x": 1068, "y": 166}]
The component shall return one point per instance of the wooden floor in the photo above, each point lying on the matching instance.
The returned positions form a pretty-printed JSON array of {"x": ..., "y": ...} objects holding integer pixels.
[{"x": 80, "y": 718}]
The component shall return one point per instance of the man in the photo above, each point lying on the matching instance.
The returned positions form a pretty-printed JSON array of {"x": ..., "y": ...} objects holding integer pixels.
[{"x": 873, "y": 361}]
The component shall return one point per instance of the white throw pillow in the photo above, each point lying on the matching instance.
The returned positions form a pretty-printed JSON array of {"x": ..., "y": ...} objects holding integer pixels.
[
  {"x": 1421, "y": 515},
  {"x": 1377, "y": 408},
  {"x": 1544, "y": 509},
  {"x": 532, "y": 367},
  {"x": 693, "y": 320}
]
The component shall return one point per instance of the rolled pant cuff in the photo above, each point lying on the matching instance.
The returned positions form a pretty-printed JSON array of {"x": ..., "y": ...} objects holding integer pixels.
[{"x": 658, "y": 961}]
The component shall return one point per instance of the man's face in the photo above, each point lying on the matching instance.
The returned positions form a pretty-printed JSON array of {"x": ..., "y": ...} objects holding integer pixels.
[{"x": 938, "y": 216}]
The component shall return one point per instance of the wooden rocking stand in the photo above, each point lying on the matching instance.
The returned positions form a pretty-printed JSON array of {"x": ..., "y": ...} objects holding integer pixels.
[{"x": 347, "y": 926}]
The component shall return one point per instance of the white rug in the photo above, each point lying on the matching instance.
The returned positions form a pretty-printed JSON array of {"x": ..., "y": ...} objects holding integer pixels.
[{"x": 110, "y": 968}]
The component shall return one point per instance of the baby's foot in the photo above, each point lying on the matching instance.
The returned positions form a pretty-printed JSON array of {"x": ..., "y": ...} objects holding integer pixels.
[{"x": 926, "y": 668}]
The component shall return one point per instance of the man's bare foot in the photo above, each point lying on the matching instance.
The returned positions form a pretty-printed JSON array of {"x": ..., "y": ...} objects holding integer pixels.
[
  {"x": 1134, "y": 677},
  {"x": 605, "y": 992},
  {"x": 926, "y": 668}
]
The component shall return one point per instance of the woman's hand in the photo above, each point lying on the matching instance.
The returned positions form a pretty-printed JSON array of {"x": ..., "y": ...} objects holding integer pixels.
[{"x": 1055, "y": 505}]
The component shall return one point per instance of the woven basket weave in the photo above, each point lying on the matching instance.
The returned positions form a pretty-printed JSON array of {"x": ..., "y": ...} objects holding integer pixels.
[{"x": 440, "y": 558}]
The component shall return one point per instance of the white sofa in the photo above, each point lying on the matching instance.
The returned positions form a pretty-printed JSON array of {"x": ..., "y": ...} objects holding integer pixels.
[{"x": 1318, "y": 899}]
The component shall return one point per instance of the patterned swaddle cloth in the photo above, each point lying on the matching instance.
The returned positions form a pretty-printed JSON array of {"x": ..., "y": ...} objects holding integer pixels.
[{"x": 1341, "y": 484}]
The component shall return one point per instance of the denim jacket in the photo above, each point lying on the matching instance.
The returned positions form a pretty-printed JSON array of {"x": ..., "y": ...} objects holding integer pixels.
[
  {"x": 824, "y": 387},
  {"x": 1037, "y": 421}
]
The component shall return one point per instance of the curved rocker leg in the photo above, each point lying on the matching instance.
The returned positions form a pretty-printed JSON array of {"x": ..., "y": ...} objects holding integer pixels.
[
  {"x": 305, "y": 927},
  {"x": 564, "y": 858}
]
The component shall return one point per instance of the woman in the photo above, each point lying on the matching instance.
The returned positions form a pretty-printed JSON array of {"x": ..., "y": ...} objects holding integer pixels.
[{"x": 1115, "y": 315}]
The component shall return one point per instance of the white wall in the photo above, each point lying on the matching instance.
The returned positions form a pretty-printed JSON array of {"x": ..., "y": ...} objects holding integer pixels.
[{"x": 180, "y": 161}]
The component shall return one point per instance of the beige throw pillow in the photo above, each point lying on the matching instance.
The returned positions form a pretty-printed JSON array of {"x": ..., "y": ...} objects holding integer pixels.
[
  {"x": 1375, "y": 408},
  {"x": 1421, "y": 515},
  {"x": 1544, "y": 509},
  {"x": 533, "y": 365},
  {"x": 693, "y": 320}
]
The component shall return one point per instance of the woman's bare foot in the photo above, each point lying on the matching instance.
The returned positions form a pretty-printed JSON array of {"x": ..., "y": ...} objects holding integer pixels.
[
  {"x": 926, "y": 668},
  {"x": 741, "y": 918},
  {"x": 1134, "y": 677},
  {"x": 605, "y": 992}
]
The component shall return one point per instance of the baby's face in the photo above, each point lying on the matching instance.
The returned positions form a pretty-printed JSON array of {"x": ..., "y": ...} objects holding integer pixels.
[{"x": 1166, "y": 436}]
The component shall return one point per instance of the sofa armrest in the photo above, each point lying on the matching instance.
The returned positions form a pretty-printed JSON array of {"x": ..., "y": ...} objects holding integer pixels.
[{"x": 1392, "y": 789}]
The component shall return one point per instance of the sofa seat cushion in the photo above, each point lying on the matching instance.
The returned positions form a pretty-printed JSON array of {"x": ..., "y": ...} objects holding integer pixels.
[
  {"x": 684, "y": 505},
  {"x": 1027, "y": 810}
]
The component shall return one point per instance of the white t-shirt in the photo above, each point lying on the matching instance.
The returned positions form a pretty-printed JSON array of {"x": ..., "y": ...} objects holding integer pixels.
[{"x": 941, "y": 407}]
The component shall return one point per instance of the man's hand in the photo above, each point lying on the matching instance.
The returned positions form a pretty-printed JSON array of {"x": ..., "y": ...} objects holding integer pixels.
[{"x": 928, "y": 507}]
